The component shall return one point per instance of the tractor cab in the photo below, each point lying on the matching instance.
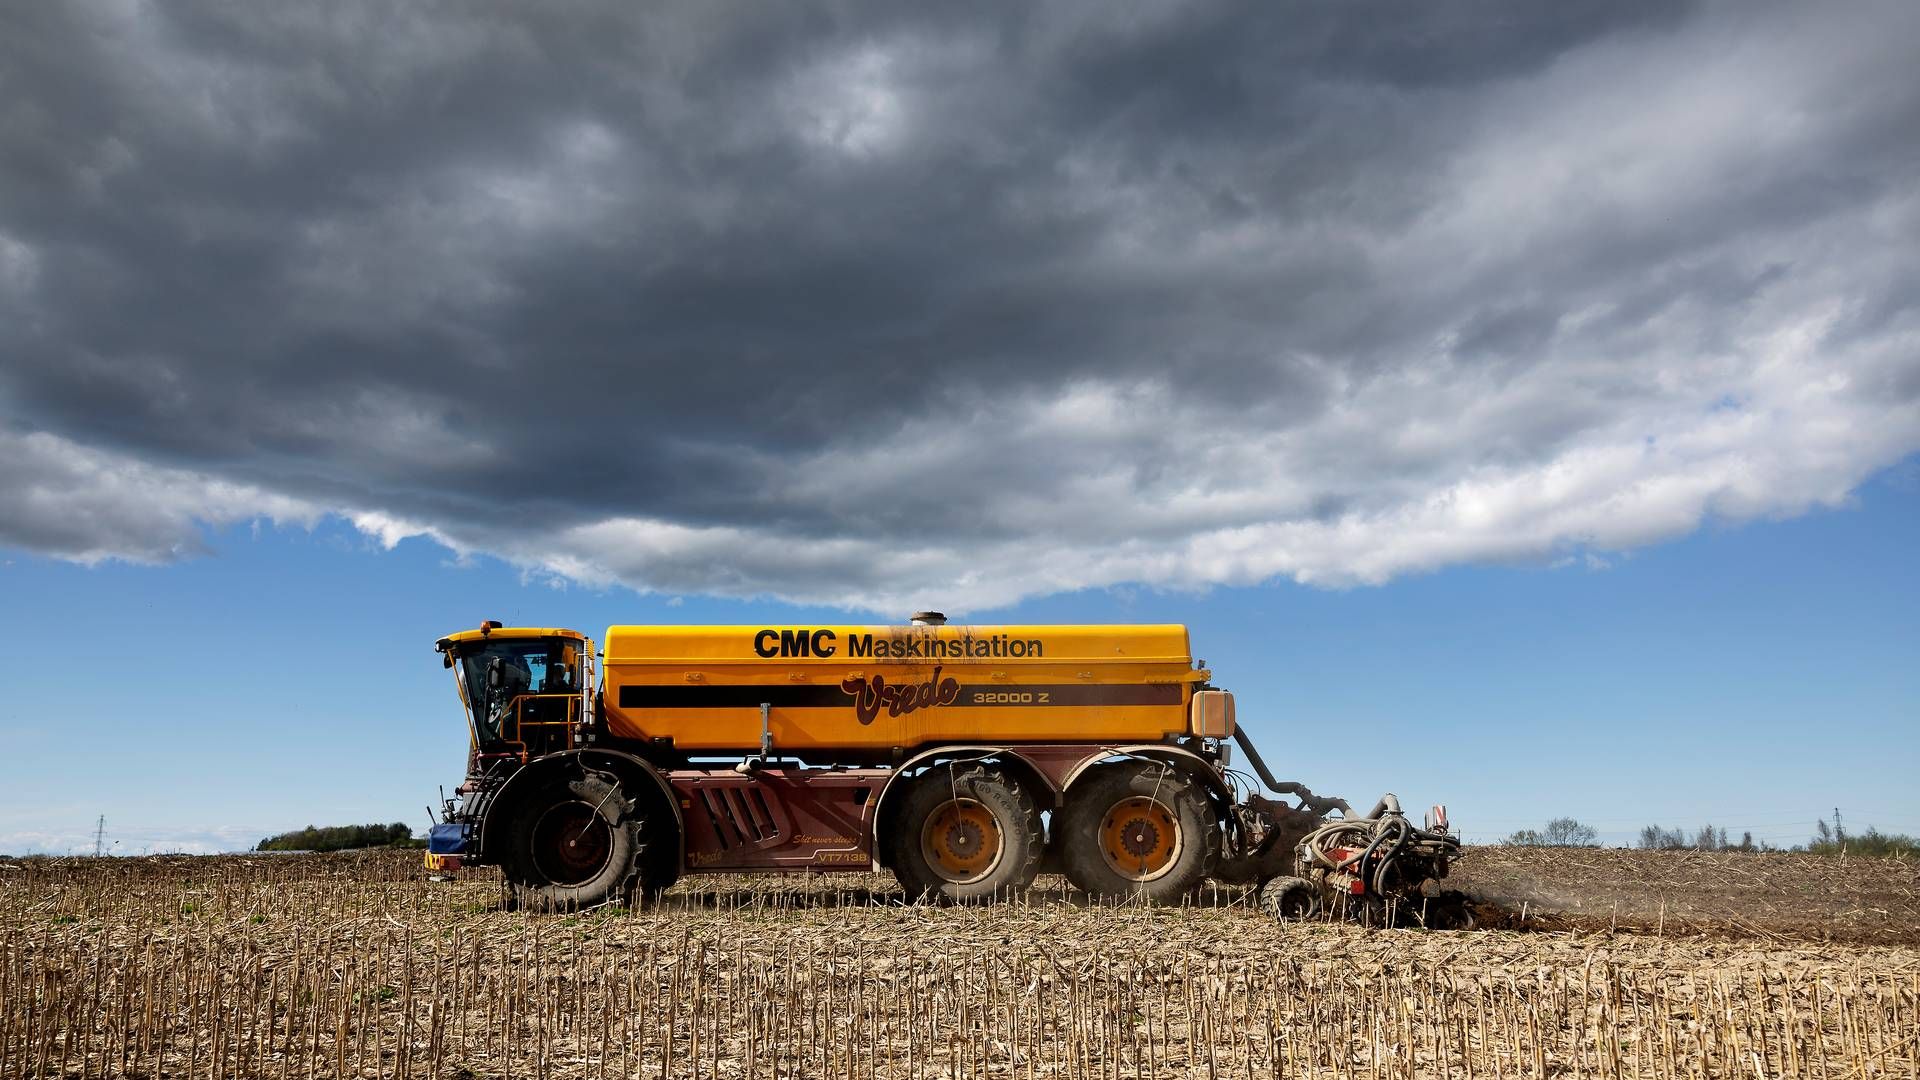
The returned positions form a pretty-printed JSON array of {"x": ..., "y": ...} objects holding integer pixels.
[{"x": 527, "y": 691}]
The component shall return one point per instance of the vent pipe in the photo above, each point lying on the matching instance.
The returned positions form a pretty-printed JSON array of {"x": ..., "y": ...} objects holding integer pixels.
[{"x": 927, "y": 618}]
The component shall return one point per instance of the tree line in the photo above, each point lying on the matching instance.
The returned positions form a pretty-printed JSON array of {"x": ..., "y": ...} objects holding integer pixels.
[
  {"x": 1828, "y": 839},
  {"x": 340, "y": 838}
]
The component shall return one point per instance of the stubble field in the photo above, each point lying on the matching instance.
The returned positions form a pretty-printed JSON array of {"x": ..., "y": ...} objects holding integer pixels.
[{"x": 1623, "y": 964}]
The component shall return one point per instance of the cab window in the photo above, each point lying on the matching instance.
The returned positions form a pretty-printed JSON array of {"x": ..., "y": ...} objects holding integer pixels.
[{"x": 496, "y": 672}]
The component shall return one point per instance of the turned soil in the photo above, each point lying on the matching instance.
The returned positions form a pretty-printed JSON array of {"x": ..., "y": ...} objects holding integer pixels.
[{"x": 1763, "y": 895}]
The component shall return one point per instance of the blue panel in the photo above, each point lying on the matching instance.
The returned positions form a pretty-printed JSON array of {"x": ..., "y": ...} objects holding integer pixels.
[{"x": 448, "y": 839}]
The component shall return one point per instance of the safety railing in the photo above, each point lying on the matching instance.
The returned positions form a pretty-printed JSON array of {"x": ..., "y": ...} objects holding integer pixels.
[{"x": 567, "y": 722}]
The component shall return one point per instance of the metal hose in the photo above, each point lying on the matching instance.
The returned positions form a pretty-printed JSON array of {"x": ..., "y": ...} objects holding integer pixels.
[
  {"x": 1308, "y": 800},
  {"x": 1401, "y": 834}
]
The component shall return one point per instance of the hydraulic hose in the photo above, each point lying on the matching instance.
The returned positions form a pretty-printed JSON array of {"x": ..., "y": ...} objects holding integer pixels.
[
  {"x": 1380, "y": 832},
  {"x": 1386, "y": 860},
  {"x": 1375, "y": 847},
  {"x": 1259, "y": 765},
  {"x": 1308, "y": 800},
  {"x": 1388, "y": 804},
  {"x": 1317, "y": 841}
]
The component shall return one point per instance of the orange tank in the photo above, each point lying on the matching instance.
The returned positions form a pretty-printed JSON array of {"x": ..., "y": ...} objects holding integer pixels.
[{"x": 829, "y": 689}]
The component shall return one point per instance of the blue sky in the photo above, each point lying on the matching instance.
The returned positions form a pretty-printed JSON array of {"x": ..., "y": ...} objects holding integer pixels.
[{"x": 1755, "y": 676}]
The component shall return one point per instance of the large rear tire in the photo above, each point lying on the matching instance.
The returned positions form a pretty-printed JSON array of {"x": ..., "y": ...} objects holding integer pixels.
[
  {"x": 1139, "y": 829},
  {"x": 574, "y": 842},
  {"x": 965, "y": 833}
]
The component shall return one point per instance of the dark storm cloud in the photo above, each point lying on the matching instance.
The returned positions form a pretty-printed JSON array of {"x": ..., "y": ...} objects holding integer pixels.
[{"x": 867, "y": 304}]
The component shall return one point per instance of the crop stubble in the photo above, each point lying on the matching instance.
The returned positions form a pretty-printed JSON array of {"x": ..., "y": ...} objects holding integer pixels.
[{"x": 321, "y": 966}]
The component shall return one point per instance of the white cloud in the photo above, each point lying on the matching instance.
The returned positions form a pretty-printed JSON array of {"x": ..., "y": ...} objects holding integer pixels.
[
  {"x": 1790, "y": 424},
  {"x": 86, "y": 505},
  {"x": 1803, "y": 438},
  {"x": 390, "y": 530}
]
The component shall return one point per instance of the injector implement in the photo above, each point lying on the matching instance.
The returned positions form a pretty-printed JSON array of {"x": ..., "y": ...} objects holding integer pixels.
[{"x": 962, "y": 758}]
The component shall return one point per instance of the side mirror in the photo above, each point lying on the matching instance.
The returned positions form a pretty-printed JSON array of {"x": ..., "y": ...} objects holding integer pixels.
[{"x": 496, "y": 673}]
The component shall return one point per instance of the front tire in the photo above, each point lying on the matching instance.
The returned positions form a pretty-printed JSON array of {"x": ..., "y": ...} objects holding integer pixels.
[
  {"x": 1139, "y": 829},
  {"x": 1290, "y": 899},
  {"x": 965, "y": 833},
  {"x": 573, "y": 843}
]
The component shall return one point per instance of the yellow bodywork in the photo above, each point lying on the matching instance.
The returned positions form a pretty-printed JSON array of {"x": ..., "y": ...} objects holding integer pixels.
[
  {"x": 879, "y": 688},
  {"x": 512, "y": 633}
]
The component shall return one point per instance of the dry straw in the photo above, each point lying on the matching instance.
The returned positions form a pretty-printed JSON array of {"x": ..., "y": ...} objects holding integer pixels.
[{"x": 309, "y": 967}]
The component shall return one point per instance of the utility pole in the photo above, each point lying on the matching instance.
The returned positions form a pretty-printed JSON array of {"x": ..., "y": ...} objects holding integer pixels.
[{"x": 100, "y": 836}]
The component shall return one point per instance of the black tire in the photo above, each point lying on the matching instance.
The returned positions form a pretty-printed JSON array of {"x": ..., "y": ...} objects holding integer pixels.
[
  {"x": 1149, "y": 811},
  {"x": 574, "y": 842},
  {"x": 1450, "y": 910},
  {"x": 1290, "y": 899},
  {"x": 965, "y": 833},
  {"x": 659, "y": 860}
]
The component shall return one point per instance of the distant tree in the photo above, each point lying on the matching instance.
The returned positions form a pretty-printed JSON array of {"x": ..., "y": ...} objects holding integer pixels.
[
  {"x": 1710, "y": 838},
  {"x": 1871, "y": 844},
  {"x": 1655, "y": 838},
  {"x": 1560, "y": 832},
  {"x": 340, "y": 838},
  {"x": 1567, "y": 832}
]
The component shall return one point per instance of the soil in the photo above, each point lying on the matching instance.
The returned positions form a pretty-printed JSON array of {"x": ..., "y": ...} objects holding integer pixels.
[{"x": 1770, "y": 895}]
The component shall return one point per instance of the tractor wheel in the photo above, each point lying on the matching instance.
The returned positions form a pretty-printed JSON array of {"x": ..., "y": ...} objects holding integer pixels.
[
  {"x": 658, "y": 868},
  {"x": 1138, "y": 829},
  {"x": 1290, "y": 899},
  {"x": 965, "y": 833},
  {"x": 573, "y": 844}
]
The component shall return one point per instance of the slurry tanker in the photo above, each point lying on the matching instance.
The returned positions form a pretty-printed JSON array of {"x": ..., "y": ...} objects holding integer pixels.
[{"x": 964, "y": 759}]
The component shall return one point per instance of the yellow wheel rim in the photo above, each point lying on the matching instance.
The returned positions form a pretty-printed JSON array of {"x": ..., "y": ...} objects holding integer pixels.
[
  {"x": 961, "y": 841},
  {"x": 1140, "y": 838}
]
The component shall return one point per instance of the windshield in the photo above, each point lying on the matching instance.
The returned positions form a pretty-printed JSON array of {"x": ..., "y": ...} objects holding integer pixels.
[{"x": 524, "y": 666}]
